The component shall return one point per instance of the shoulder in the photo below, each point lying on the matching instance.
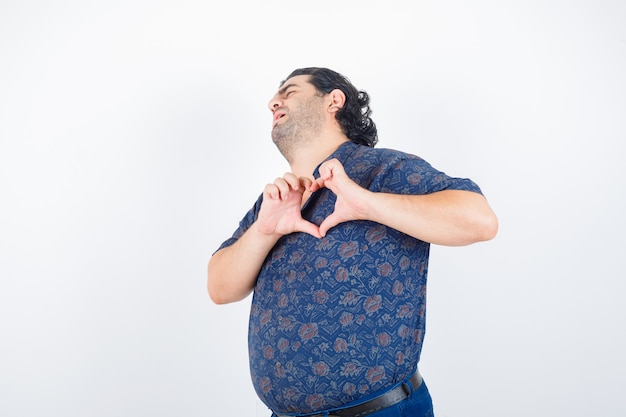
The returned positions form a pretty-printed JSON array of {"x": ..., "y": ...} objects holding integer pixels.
[
  {"x": 391, "y": 170},
  {"x": 373, "y": 167},
  {"x": 379, "y": 160}
]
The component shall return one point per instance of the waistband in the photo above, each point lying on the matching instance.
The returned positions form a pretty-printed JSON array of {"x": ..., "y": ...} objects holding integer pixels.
[{"x": 384, "y": 400}]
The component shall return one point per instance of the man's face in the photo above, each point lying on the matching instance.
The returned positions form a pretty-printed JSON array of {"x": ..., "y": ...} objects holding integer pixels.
[{"x": 298, "y": 111}]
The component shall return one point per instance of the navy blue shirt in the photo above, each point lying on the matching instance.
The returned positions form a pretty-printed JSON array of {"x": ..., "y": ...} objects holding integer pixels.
[{"x": 338, "y": 318}]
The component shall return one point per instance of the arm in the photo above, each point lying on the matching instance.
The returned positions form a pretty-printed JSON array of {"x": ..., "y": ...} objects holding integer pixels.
[
  {"x": 449, "y": 217},
  {"x": 232, "y": 271}
]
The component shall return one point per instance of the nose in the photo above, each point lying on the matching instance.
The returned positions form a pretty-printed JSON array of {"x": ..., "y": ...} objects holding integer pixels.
[{"x": 274, "y": 103}]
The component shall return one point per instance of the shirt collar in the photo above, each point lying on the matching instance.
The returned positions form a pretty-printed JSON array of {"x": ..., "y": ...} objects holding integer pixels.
[{"x": 342, "y": 153}]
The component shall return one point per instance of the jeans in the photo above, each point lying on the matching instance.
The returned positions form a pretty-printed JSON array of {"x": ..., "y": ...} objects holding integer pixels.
[{"x": 418, "y": 404}]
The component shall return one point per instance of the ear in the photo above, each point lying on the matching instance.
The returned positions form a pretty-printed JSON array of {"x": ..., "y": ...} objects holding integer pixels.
[{"x": 337, "y": 99}]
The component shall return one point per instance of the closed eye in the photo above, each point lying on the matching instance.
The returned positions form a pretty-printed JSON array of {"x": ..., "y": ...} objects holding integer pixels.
[{"x": 286, "y": 90}]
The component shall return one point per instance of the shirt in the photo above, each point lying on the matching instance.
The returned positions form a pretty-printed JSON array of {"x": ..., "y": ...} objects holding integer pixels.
[{"x": 338, "y": 318}]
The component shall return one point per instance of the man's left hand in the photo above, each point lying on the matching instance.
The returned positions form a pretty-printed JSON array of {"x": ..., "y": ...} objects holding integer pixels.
[{"x": 351, "y": 203}]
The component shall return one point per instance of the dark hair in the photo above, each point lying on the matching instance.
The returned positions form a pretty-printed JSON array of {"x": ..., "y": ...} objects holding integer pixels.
[{"x": 354, "y": 117}]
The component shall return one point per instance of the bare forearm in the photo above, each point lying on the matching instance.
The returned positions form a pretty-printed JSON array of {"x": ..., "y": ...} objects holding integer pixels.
[
  {"x": 232, "y": 271},
  {"x": 450, "y": 218}
]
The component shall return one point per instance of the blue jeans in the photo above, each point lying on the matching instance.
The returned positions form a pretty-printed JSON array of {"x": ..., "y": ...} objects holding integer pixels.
[{"x": 418, "y": 404}]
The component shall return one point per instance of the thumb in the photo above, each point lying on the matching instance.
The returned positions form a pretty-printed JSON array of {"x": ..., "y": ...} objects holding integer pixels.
[
  {"x": 328, "y": 223},
  {"x": 308, "y": 227}
]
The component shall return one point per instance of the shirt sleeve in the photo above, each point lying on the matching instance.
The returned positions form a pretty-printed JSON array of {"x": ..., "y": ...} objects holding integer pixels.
[
  {"x": 410, "y": 174},
  {"x": 244, "y": 224}
]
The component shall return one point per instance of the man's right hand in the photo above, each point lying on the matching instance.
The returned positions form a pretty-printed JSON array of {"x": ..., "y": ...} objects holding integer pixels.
[
  {"x": 233, "y": 270},
  {"x": 280, "y": 209}
]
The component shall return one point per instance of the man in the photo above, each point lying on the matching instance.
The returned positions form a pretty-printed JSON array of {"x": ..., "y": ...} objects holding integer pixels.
[{"x": 336, "y": 252}]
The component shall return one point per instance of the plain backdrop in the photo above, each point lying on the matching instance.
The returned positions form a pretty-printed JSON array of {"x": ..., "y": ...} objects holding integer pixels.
[{"x": 134, "y": 135}]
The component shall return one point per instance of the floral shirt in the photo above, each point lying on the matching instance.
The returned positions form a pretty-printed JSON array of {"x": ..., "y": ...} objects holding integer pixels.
[{"x": 339, "y": 318}]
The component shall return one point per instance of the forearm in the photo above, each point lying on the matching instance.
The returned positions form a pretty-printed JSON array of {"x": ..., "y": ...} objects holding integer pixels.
[
  {"x": 232, "y": 271},
  {"x": 450, "y": 217}
]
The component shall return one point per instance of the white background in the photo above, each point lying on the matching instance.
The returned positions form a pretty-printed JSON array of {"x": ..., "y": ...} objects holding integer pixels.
[{"x": 134, "y": 135}]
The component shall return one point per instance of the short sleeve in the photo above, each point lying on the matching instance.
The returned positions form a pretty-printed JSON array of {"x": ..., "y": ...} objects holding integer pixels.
[
  {"x": 244, "y": 224},
  {"x": 410, "y": 174}
]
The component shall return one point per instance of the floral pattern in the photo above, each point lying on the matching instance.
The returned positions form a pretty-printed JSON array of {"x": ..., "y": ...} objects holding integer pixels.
[{"x": 338, "y": 318}]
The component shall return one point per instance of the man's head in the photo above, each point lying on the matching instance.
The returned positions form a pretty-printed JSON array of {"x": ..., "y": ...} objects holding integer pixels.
[
  {"x": 302, "y": 115},
  {"x": 354, "y": 116}
]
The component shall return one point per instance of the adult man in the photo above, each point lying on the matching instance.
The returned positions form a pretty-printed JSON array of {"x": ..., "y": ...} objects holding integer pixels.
[{"x": 336, "y": 252}]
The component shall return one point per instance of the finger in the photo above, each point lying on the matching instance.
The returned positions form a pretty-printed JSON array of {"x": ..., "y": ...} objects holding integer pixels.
[
  {"x": 272, "y": 191},
  {"x": 328, "y": 223},
  {"x": 330, "y": 168},
  {"x": 283, "y": 188},
  {"x": 292, "y": 180},
  {"x": 326, "y": 171},
  {"x": 315, "y": 185},
  {"x": 306, "y": 182},
  {"x": 308, "y": 227}
]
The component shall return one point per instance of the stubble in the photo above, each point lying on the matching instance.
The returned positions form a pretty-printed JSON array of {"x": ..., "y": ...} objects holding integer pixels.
[{"x": 303, "y": 126}]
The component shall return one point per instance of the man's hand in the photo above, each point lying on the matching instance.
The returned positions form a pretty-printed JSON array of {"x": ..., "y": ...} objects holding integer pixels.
[
  {"x": 351, "y": 197},
  {"x": 282, "y": 202}
]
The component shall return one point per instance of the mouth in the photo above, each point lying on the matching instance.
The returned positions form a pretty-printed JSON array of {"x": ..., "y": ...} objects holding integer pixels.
[{"x": 278, "y": 114}]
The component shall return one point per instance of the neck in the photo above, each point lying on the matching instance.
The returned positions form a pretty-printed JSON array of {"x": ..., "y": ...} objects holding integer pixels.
[{"x": 309, "y": 156}]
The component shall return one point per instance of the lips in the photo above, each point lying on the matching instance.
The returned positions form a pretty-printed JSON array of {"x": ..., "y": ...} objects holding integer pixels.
[{"x": 279, "y": 114}]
